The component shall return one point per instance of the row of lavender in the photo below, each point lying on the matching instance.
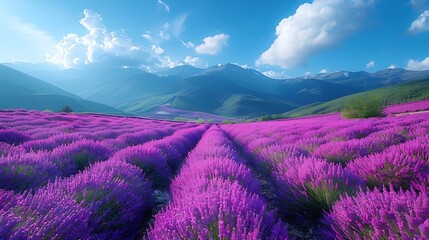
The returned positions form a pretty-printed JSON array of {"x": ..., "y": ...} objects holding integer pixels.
[
  {"x": 37, "y": 147},
  {"x": 346, "y": 177},
  {"x": 215, "y": 196},
  {"x": 109, "y": 199}
]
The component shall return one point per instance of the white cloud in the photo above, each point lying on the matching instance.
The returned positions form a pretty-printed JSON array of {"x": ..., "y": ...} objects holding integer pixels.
[
  {"x": 163, "y": 35},
  {"x": 193, "y": 61},
  {"x": 213, "y": 45},
  {"x": 157, "y": 50},
  {"x": 276, "y": 75},
  {"x": 245, "y": 66},
  {"x": 313, "y": 27},
  {"x": 167, "y": 8},
  {"x": 188, "y": 44},
  {"x": 391, "y": 67},
  {"x": 418, "y": 65},
  {"x": 167, "y": 62},
  {"x": 323, "y": 71},
  {"x": 31, "y": 34},
  {"x": 98, "y": 44},
  {"x": 147, "y": 36},
  {"x": 370, "y": 64},
  {"x": 421, "y": 24}
]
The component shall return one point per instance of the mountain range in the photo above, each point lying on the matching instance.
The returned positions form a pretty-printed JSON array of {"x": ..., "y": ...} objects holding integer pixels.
[{"x": 225, "y": 90}]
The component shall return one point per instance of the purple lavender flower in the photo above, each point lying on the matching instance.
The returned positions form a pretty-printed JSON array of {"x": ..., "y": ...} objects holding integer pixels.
[
  {"x": 150, "y": 160},
  {"x": 74, "y": 157},
  {"x": 216, "y": 167},
  {"x": 115, "y": 193},
  {"x": 13, "y": 137},
  {"x": 52, "y": 142},
  {"x": 25, "y": 171},
  {"x": 307, "y": 186},
  {"x": 341, "y": 152},
  {"x": 8, "y": 199},
  {"x": 392, "y": 168},
  {"x": 380, "y": 215},
  {"x": 45, "y": 216},
  {"x": 223, "y": 210}
]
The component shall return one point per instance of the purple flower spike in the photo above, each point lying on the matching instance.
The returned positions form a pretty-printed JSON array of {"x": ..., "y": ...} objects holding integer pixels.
[
  {"x": 223, "y": 210},
  {"x": 25, "y": 171},
  {"x": 307, "y": 186},
  {"x": 13, "y": 137},
  {"x": 380, "y": 215},
  {"x": 392, "y": 168},
  {"x": 74, "y": 157},
  {"x": 151, "y": 160}
]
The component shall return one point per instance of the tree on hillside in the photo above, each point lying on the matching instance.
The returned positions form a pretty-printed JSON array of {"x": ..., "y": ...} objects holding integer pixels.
[
  {"x": 363, "y": 108},
  {"x": 67, "y": 109}
]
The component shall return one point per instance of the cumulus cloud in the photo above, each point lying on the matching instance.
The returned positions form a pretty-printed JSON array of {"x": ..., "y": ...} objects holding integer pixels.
[
  {"x": 213, "y": 44},
  {"x": 370, "y": 64},
  {"x": 97, "y": 45},
  {"x": 418, "y": 65},
  {"x": 276, "y": 75},
  {"x": 323, "y": 71},
  {"x": 148, "y": 37},
  {"x": 421, "y": 24},
  {"x": 163, "y": 35},
  {"x": 193, "y": 61},
  {"x": 167, "y": 8},
  {"x": 313, "y": 27},
  {"x": 391, "y": 67},
  {"x": 157, "y": 50},
  {"x": 168, "y": 62}
]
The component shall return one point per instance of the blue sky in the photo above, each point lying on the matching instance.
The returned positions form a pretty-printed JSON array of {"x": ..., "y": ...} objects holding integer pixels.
[{"x": 280, "y": 38}]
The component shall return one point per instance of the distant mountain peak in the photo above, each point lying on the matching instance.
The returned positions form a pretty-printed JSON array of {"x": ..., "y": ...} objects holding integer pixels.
[{"x": 181, "y": 71}]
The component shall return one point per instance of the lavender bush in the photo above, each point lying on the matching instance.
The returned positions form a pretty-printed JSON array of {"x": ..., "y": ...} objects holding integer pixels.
[
  {"x": 150, "y": 160},
  {"x": 25, "y": 171},
  {"x": 45, "y": 216},
  {"x": 392, "y": 168},
  {"x": 380, "y": 215},
  {"x": 74, "y": 157},
  {"x": 115, "y": 193},
  {"x": 308, "y": 186},
  {"x": 13, "y": 137},
  {"x": 223, "y": 210}
]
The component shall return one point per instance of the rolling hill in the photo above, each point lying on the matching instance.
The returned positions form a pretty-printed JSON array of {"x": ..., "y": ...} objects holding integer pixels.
[
  {"x": 19, "y": 90},
  {"x": 405, "y": 92}
]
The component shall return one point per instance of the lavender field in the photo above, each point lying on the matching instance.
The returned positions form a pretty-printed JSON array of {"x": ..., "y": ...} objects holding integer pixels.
[{"x": 82, "y": 176}]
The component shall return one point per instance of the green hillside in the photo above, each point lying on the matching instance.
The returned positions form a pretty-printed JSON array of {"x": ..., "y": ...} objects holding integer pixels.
[
  {"x": 19, "y": 90},
  {"x": 408, "y": 92}
]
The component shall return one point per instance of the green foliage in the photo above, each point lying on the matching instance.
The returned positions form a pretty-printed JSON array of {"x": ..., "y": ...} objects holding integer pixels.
[
  {"x": 200, "y": 120},
  {"x": 363, "y": 108}
]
